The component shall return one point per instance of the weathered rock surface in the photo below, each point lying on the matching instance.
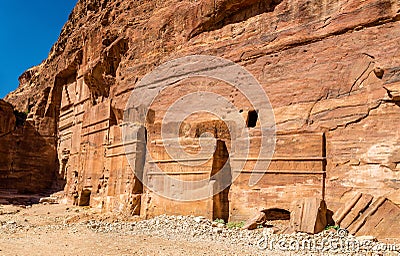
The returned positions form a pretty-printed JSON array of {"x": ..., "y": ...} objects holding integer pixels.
[
  {"x": 27, "y": 158},
  {"x": 329, "y": 67},
  {"x": 7, "y": 118},
  {"x": 258, "y": 219},
  {"x": 309, "y": 216},
  {"x": 365, "y": 215}
]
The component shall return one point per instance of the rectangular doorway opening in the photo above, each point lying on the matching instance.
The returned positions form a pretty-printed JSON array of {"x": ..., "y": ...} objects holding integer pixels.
[
  {"x": 85, "y": 197},
  {"x": 221, "y": 174}
]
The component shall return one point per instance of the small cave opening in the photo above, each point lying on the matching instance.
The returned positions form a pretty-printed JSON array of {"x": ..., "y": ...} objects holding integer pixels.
[
  {"x": 277, "y": 214},
  {"x": 252, "y": 119},
  {"x": 20, "y": 118}
]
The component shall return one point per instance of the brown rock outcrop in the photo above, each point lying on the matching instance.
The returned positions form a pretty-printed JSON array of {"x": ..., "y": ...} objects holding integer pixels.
[
  {"x": 7, "y": 118},
  {"x": 256, "y": 221},
  {"x": 27, "y": 158},
  {"x": 309, "y": 216},
  {"x": 365, "y": 215},
  {"x": 330, "y": 69}
]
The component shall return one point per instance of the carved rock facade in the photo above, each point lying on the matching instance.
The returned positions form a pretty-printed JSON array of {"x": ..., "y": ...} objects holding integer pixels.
[{"x": 330, "y": 69}]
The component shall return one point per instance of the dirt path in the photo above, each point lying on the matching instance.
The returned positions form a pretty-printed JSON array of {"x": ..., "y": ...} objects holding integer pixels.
[
  {"x": 44, "y": 230},
  {"x": 90, "y": 243}
]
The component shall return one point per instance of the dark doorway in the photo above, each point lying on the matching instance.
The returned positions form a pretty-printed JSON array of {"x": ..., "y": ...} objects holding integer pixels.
[
  {"x": 85, "y": 197},
  {"x": 222, "y": 177},
  {"x": 141, "y": 150},
  {"x": 252, "y": 118},
  {"x": 277, "y": 214},
  {"x": 140, "y": 161}
]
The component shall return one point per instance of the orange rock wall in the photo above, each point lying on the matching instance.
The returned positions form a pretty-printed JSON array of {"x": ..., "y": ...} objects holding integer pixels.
[
  {"x": 328, "y": 66},
  {"x": 27, "y": 158}
]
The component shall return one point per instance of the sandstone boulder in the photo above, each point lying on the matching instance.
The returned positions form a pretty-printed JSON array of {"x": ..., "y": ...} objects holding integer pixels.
[
  {"x": 370, "y": 217},
  {"x": 258, "y": 220},
  {"x": 309, "y": 216}
]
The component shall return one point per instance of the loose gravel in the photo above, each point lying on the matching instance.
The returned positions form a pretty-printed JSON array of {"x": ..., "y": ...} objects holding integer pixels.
[{"x": 193, "y": 229}]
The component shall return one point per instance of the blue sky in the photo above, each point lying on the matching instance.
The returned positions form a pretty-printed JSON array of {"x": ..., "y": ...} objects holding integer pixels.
[{"x": 28, "y": 29}]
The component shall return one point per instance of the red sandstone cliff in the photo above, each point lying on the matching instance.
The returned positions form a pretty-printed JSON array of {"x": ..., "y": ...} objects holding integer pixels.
[
  {"x": 27, "y": 158},
  {"x": 327, "y": 66}
]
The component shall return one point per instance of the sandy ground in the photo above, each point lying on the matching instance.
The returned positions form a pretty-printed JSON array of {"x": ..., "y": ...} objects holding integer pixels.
[
  {"x": 39, "y": 230},
  {"x": 89, "y": 243},
  {"x": 64, "y": 230}
]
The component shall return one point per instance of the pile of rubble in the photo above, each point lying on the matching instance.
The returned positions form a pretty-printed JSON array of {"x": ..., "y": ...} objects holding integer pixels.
[
  {"x": 260, "y": 240},
  {"x": 270, "y": 238},
  {"x": 188, "y": 228}
]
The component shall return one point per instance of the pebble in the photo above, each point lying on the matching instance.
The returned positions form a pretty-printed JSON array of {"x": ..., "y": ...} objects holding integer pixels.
[
  {"x": 220, "y": 225},
  {"x": 366, "y": 238}
]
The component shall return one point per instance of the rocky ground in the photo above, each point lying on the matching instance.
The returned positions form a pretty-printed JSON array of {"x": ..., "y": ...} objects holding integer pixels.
[{"x": 61, "y": 230}]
